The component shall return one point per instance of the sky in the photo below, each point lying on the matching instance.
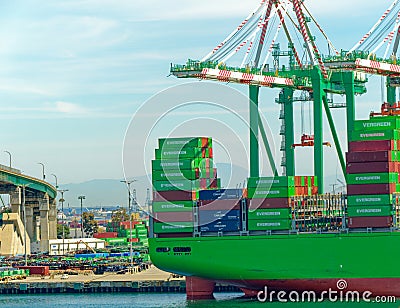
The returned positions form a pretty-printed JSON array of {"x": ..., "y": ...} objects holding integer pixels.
[{"x": 74, "y": 73}]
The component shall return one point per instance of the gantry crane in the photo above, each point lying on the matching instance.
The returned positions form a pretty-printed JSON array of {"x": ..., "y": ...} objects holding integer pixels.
[{"x": 306, "y": 73}]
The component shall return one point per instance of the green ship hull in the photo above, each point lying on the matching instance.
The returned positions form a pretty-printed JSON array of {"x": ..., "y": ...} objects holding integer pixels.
[{"x": 314, "y": 262}]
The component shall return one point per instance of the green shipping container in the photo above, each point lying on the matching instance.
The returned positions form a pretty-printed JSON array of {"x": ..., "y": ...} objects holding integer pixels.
[
  {"x": 175, "y": 164},
  {"x": 284, "y": 213},
  {"x": 173, "y": 227},
  {"x": 266, "y": 182},
  {"x": 383, "y": 210},
  {"x": 372, "y": 178},
  {"x": 175, "y": 185},
  {"x": 185, "y": 142},
  {"x": 367, "y": 135},
  {"x": 179, "y": 154},
  {"x": 378, "y": 123},
  {"x": 175, "y": 175},
  {"x": 115, "y": 240},
  {"x": 173, "y": 206},
  {"x": 368, "y": 200},
  {"x": 278, "y": 192},
  {"x": 264, "y": 225}
]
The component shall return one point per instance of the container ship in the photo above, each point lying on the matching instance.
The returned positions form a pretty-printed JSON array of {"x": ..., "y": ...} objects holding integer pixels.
[
  {"x": 283, "y": 232},
  {"x": 278, "y": 232}
]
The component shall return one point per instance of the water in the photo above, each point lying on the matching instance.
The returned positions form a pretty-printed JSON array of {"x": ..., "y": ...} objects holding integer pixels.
[{"x": 151, "y": 300}]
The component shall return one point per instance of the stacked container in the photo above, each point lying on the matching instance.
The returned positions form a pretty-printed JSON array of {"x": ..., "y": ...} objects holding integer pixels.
[
  {"x": 270, "y": 200},
  {"x": 220, "y": 210},
  {"x": 182, "y": 167},
  {"x": 372, "y": 172}
]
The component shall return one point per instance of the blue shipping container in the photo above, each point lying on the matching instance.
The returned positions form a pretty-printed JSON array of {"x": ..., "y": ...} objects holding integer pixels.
[
  {"x": 222, "y": 226},
  {"x": 213, "y": 194},
  {"x": 206, "y": 217}
]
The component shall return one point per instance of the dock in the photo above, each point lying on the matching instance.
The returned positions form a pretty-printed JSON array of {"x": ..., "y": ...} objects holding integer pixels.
[{"x": 152, "y": 280}]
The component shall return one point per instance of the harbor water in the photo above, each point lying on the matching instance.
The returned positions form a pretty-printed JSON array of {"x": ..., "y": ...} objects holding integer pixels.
[{"x": 151, "y": 300}]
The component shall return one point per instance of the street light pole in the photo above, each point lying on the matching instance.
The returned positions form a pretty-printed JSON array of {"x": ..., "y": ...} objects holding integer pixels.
[
  {"x": 56, "y": 180},
  {"x": 10, "y": 156},
  {"x": 44, "y": 176},
  {"x": 82, "y": 198},
  {"x": 62, "y": 191},
  {"x": 130, "y": 219}
]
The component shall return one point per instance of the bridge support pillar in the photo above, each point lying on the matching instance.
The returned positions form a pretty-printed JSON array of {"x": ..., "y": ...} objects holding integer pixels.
[
  {"x": 53, "y": 220},
  {"x": 44, "y": 223},
  {"x": 29, "y": 227},
  {"x": 16, "y": 201}
]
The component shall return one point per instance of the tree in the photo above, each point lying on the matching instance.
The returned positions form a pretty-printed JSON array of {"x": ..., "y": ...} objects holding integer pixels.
[
  {"x": 89, "y": 224},
  {"x": 60, "y": 231},
  {"x": 119, "y": 215}
]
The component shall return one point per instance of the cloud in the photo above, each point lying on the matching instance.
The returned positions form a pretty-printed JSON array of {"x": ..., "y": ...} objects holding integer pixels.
[{"x": 70, "y": 108}]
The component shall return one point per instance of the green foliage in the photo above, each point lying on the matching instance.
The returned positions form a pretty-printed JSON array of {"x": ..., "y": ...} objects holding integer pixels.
[
  {"x": 119, "y": 215},
  {"x": 60, "y": 231},
  {"x": 89, "y": 224}
]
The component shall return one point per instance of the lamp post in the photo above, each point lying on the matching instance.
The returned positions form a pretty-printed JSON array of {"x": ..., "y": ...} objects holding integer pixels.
[
  {"x": 44, "y": 176},
  {"x": 55, "y": 179},
  {"x": 10, "y": 156},
  {"x": 62, "y": 191},
  {"x": 82, "y": 198},
  {"x": 128, "y": 183}
]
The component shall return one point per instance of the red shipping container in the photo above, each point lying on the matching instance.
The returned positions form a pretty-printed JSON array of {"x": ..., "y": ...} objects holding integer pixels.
[
  {"x": 174, "y": 195},
  {"x": 269, "y": 203},
  {"x": 210, "y": 152},
  {"x": 133, "y": 240},
  {"x": 173, "y": 216},
  {"x": 204, "y": 142},
  {"x": 370, "y": 222},
  {"x": 172, "y": 235},
  {"x": 297, "y": 180},
  {"x": 37, "y": 270},
  {"x": 314, "y": 190},
  {"x": 306, "y": 181},
  {"x": 217, "y": 205},
  {"x": 105, "y": 235},
  {"x": 371, "y": 189},
  {"x": 372, "y": 167},
  {"x": 376, "y": 145},
  {"x": 374, "y": 156}
]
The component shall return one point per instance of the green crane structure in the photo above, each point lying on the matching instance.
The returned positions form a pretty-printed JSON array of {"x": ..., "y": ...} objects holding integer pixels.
[{"x": 342, "y": 73}]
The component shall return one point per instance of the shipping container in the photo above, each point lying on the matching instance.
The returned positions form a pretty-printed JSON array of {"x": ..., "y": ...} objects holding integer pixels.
[
  {"x": 175, "y": 175},
  {"x": 279, "y": 192},
  {"x": 227, "y": 204},
  {"x": 185, "y": 142},
  {"x": 372, "y": 167},
  {"x": 206, "y": 217},
  {"x": 174, "y": 195},
  {"x": 278, "y": 213},
  {"x": 222, "y": 226},
  {"x": 105, "y": 235},
  {"x": 173, "y": 216},
  {"x": 181, "y": 164},
  {"x": 370, "y": 222},
  {"x": 265, "y": 225},
  {"x": 173, "y": 206},
  {"x": 380, "y": 210},
  {"x": 371, "y": 189},
  {"x": 214, "y": 194},
  {"x": 266, "y": 182},
  {"x": 188, "y": 153},
  {"x": 373, "y": 146},
  {"x": 173, "y": 227},
  {"x": 369, "y": 200},
  {"x": 36, "y": 270},
  {"x": 366, "y": 135},
  {"x": 362, "y": 157},
  {"x": 372, "y": 178},
  {"x": 269, "y": 203},
  {"x": 377, "y": 123}
]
